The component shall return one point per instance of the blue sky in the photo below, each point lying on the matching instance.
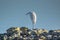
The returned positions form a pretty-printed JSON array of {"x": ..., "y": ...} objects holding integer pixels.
[{"x": 12, "y": 13}]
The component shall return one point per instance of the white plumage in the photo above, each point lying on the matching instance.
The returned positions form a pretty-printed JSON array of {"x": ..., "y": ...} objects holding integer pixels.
[{"x": 33, "y": 17}]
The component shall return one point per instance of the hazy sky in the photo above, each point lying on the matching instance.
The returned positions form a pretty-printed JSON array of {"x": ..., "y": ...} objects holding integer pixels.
[{"x": 12, "y": 13}]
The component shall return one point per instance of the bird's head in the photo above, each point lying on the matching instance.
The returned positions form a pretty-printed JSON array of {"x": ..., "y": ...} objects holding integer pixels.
[{"x": 29, "y": 13}]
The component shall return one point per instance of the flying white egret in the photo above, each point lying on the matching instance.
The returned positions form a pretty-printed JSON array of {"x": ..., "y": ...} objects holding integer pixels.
[{"x": 33, "y": 17}]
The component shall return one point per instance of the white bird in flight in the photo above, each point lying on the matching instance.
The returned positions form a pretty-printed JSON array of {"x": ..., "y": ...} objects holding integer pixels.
[{"x": 33, "y": 17}]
